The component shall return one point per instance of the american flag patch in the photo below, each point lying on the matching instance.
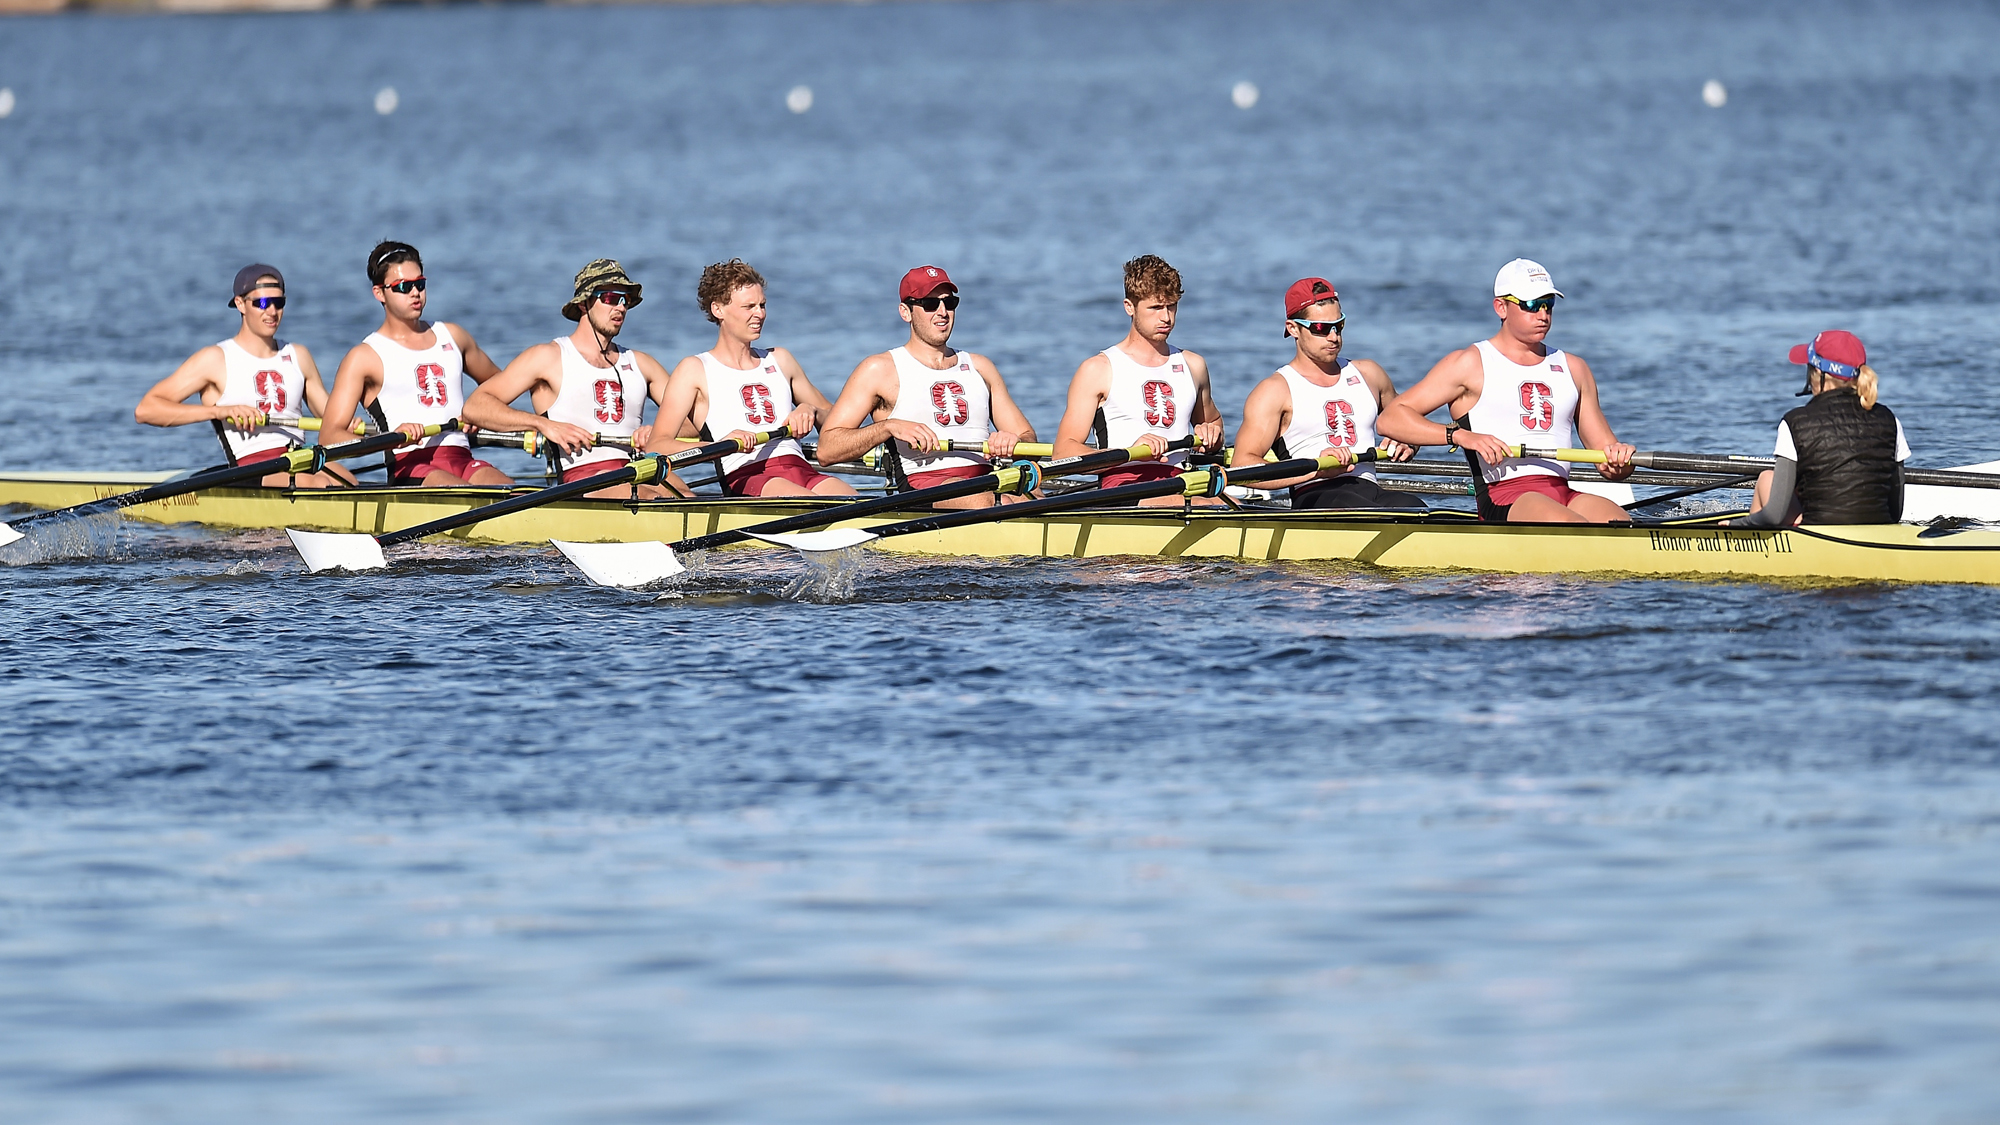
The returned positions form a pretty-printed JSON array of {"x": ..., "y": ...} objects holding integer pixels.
[{"x": 1556, "y": 367}]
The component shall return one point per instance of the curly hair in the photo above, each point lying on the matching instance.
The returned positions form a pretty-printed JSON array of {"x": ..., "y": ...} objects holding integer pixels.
[
  {"x": 1149, "y": 275},
  {"x": 387, "y": 253},
  {"x": 720, "y": 282}
]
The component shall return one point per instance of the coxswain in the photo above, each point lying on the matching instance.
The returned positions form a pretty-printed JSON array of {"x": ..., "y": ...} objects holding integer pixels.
[
  {"x": 738, "y": 390},
  {"x": 589, "y": 394},
  {"x": 1143, "y": 391},
  {"x": 927, "y": 394},
  {"x": 407, "y": 372},
  {"x": 1513, "y": 389},
  {"x": 252, "y": 386},
  {"x": 1321, "y": 405},
  {"x": 1839, "y": 457}
]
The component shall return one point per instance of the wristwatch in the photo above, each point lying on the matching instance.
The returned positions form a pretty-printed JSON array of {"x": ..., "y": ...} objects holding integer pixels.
[{"x": 1451, "y": 434}]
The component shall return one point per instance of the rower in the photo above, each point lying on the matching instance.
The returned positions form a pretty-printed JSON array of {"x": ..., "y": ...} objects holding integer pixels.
[
  {"x": 737, "y": 390},
  {"x": 1839, "y": 457},
  {"x": 1143, "y": 390},
  {"x": 252, "y": 386},
  {"x": 407, "y": 374},
  {"x": 586, "y": 390},
  {"x": 928, "y": 395},
  {"x": 1320, "y": 404},
  {"x": 1513, "y": 389}
]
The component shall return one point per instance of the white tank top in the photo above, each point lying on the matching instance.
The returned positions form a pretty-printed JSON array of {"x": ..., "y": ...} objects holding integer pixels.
[
  {"x": 1148, "y": 400},
  {"x": 758, "y": 399},
  {"x": 608, "y": 401},
  {"x": 1533, "y": 405},
  {"x": 953, "y": 402},
  {"x": 275, "y": 386},
  {"x": 1342, "y": 416},
  {"x": 421, "y": 386}
]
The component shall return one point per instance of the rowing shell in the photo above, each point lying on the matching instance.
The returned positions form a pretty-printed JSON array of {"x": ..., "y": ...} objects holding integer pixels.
[{"x": 1439, "y": 540}]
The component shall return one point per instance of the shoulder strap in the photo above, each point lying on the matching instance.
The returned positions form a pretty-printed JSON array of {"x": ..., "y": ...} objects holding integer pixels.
[{"x": 222, "y": 436}]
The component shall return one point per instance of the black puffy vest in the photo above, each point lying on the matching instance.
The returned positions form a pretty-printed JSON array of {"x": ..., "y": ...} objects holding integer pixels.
[{"x": 1847, "y": 459}]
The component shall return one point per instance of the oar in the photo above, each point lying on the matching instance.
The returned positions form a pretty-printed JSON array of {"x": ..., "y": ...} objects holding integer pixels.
[
  {"x": 531, "y": 442},
  {"x": 1198, "y": 482},
  {"x": 308, "y": 460},
  {"x": 325, "y": 550},
  {"x": 1022, "y": 449},
  {"x": 636, "y": 564}
]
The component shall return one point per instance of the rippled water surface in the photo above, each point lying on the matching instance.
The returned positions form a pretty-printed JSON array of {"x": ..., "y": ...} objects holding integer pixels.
[{"x": 1106, "y": 840}]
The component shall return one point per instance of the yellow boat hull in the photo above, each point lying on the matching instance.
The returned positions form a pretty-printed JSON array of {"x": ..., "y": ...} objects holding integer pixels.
[{"x": 1440, "y": 541}]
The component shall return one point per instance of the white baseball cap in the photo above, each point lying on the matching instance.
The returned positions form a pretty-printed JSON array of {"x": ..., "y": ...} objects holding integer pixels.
[{"x": 1524, "y": 279}]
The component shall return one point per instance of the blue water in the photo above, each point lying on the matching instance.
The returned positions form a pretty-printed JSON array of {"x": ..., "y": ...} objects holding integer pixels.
[{"x": 1017, "y": 840}]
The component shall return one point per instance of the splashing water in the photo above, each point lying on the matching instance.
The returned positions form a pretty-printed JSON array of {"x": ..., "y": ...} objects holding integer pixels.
[
  {"x": 830, "y": 576},
  {"x": 69, "y": 538}
]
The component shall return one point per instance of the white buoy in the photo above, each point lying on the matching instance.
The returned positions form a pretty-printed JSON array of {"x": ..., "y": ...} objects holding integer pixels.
[
  {"x": 6, "y": 101},
  {"x": 386, "y": 100},
  {"x": 799, "y": 99},
  {"x": 1244, "y": 94},
  {"x": 1714, "y": 94}
]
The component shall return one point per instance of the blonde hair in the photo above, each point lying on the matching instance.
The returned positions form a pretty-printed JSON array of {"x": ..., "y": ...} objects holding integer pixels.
[{"x": 1864, "y": 384}]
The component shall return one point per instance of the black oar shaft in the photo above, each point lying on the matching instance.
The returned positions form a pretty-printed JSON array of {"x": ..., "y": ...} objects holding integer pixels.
[
  {"x": 1198, "y": 482},
  {"x": 308, "y": 460},
  {"x": 847, "y": 510},
  {"x": 1712, "y": 463},
  {"x": 1684, "y": 493},
  {"x": 653, "y": 466}
]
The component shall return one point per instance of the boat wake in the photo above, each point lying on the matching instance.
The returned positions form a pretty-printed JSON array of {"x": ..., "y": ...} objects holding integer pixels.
[{"x": 92, "y": 537}]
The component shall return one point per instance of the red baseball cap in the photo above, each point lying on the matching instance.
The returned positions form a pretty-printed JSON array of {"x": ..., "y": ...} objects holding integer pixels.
[
  {"x": 1835, "y": 352},
  {"x": 1306, "y": 292},
  {"x": 924, "y": 281}
]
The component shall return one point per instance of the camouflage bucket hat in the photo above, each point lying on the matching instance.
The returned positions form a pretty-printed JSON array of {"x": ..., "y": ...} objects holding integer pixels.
[{"x": 600, "y": 274}]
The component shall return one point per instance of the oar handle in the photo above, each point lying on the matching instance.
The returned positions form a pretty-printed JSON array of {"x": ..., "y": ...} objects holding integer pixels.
[
  {"x": 356, "y": 427},
  {"x": 1574, "y": 456}
]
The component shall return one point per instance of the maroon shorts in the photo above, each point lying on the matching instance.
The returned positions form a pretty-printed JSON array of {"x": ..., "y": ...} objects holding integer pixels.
[
  {"x": 593, "y": 469},
  {"x": 1135, "y": 472},
  {"x": 754, "y": 478},
  {"x": 936, "y": 477},
  {"x": 263, "y": 455},
  {"x": 417, "y": 464},
  {"x": 1505, "y": 493}
]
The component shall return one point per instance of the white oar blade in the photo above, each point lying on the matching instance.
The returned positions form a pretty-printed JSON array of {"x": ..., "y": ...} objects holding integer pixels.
[
  {"x": 839, "y": 539},
  {"x": 9, "y": 535},
  {"x": 626, "y": 565},
  {"x": 1616, "y": 492},
  {"x": 327, "y": 551}
]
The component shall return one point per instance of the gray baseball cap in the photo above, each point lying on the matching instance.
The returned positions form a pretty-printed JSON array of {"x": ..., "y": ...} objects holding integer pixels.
[{"x": 246, "y": 278}]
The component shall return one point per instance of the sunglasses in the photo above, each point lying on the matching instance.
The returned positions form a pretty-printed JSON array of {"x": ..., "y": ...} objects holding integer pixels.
[
  {"x": 1534, "y": 306},
  {"x": 415, "y": 283},
  {"x": 266, "y": 302},
  {"x": 1322, "y": 327},
  {"x": 930, "y": 304},
  {"x": 616, "y": 298}
]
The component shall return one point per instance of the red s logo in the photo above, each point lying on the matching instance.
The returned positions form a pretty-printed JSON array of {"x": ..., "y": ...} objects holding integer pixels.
[
  {"x": 431, "y": 387},
  {"x": 271, "y": 397},
  {"x": 1340, "y": 429},
  {"x": 949, "y": 401},
  {"x": 610, "y": 401},
  {"x": 1538, "y": 407},
  {"x": 1159, "y": 399},
  {"x": 759, "y": 408}
]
